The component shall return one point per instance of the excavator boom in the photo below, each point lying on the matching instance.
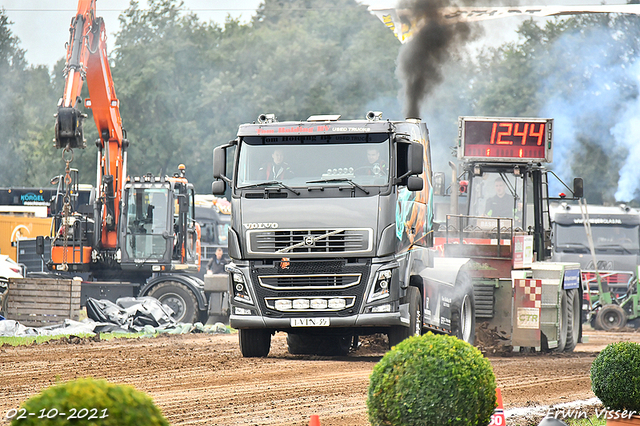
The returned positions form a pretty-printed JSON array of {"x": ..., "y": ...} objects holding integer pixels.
[
  {"x": 139, "y": 236},
  {"x": 87, "y": 60}
]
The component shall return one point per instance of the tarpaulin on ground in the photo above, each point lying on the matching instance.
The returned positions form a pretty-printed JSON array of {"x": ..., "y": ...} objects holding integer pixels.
[
  {"x": 127, "y": 315},
  {"x": 132, "y": 313}
]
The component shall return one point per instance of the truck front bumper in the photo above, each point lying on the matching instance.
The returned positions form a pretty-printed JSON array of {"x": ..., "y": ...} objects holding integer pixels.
[{"x": 353, "y": 321}]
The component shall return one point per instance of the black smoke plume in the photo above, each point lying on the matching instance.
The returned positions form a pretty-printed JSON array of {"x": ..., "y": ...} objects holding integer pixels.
[{"x": 434, "y": 43}]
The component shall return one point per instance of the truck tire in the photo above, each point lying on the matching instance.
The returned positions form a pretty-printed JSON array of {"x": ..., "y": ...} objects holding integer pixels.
[
  {"x": 574, "y": 318},
  {"x": 610, "y": 318},
  {"x": 306, "y": 344},
  {"x": 398, "y": 333},
  {"x": 562, "y": 325},
  {"x": 593, "y": 323},
  {"x": 254, "y": 343},
  {"x": 299, "y": 344},
  {"x": 563, "y": 320},
  {"x": 179, "y": 298},
  {"x": 463, "y": 312}
]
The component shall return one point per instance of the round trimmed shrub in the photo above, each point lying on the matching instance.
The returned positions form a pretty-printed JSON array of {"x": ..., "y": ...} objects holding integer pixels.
[
  {"x": 432, "y": 379},
  {"x": 615, "y": 376},
  {"x": 93, "y": 402}
]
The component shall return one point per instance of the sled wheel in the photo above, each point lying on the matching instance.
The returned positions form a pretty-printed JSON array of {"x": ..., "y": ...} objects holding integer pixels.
[{"x": 611, "y": 317}]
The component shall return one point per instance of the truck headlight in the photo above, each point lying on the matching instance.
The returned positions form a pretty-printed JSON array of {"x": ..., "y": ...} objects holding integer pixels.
[
  {"x": 380, "y": 288},
  {"x": 283, "y": 305},
  {"x": 240, "y": 291},
  {"x": 318, "y": 304},
  {"x": 301, "y": 304}
]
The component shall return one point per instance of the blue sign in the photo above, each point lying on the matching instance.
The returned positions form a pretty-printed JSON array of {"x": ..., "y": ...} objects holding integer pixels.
[
  {"x": 571, "y": 279},
  {"x": 30, "y": 197}
]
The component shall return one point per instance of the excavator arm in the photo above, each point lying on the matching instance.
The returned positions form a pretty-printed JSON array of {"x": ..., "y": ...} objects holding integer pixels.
[{"x": 87, "y": 60}]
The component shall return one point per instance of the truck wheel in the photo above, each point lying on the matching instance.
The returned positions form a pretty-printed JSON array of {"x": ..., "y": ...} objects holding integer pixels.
[
  {"x": 398, "y": 333},
  {"x": 562, "y": 325},
  {"x": 611, "y": 317},
  {"x": 463, "y": 312},
  {"x": 563, "y": 321},
  {"x": 254, "y": 343},
  {"x": 306, "y": 344},
  {"x": 593, "y": 323},
  {"x": 573, "y": 319},
  {"x": 179, "y": 298},
  {"x": 300, "y": 344}
]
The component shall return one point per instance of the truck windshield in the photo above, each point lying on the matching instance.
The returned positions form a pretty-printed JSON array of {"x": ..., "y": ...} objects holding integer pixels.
[
  {"x": 498, "y": 195},
  {"x": 147, "y": 221},
  {"x": 606, "y": 239},
  {"x": 365, "y": 162}
]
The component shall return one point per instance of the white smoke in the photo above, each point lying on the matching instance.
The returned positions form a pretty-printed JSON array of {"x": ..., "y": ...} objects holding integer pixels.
[
  {"x": 593, "y": 97},
  {"x": 627, "y": 133}
]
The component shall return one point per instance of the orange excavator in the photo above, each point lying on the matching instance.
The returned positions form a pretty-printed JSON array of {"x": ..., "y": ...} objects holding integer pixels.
[{"x": 138, "y": 236}]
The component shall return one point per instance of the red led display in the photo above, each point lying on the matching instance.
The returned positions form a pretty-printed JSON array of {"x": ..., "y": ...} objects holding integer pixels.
[{"x": 508, "y": 139}]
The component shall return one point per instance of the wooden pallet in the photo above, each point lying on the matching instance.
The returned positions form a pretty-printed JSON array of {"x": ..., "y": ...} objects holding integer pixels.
[{"x": 38, "y": 302}]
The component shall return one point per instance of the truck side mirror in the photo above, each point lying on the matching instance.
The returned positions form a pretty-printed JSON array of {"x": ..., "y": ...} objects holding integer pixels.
[
  {"x": 183, "y": 203},
  {"x": 438, "y": 183},
  {"x": 40, "y": 245},
  {"x": 219, "y": 162},
  {"x": 416, "y": 158},
  {"x": 578, "y": 188},
  {"x": 410, "y": 159},
  {"x": 218, "y": 187},
  {"x": 415, "y": 183}
]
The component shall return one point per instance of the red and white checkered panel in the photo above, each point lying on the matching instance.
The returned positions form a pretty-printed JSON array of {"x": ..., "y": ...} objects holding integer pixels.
[{"x": 532, "y": 290}]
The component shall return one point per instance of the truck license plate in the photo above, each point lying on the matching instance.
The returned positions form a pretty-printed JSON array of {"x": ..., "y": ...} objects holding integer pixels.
[{"x": 310, "y": 322}]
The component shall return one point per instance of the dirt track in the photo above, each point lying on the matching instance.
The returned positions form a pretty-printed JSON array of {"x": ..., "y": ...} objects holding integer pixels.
[{"x": 203, "y": 380}]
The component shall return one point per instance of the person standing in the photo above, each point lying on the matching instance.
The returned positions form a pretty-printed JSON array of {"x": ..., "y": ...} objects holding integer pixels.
[{"x": 216, "y": 263}]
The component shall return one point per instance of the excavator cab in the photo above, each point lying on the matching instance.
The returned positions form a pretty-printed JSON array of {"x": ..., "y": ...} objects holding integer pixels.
[
  {"x": 148, "y": 233},
  {"x": 157, "y": 230}
]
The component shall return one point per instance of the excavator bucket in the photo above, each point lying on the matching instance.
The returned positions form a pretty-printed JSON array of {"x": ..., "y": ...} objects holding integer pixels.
[{"x": 68, "y": 129}]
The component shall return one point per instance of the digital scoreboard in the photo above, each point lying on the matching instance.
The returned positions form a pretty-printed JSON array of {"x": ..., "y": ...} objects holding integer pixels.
[{"x": 505, "y": 139}]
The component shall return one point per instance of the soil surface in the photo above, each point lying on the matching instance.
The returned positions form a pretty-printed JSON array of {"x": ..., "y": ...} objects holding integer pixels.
[{"x": 201, "y": 379}]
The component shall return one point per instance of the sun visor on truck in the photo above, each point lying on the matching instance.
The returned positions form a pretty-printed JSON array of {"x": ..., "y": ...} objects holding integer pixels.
[{"x": 315, "y": 128}]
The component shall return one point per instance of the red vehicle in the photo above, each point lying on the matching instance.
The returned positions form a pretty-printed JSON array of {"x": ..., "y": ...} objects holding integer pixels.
[{"x": 523, "y": 298}]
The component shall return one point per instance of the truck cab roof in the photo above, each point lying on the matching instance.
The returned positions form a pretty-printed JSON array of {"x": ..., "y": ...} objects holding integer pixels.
[{"x": 567, "y": 214}]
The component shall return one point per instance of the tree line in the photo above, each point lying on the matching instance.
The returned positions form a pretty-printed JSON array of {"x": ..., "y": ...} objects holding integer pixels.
[{"x": 185, "y": 85}]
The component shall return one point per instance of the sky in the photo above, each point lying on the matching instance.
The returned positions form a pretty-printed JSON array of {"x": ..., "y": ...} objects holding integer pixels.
[{"x": 43, "y": 25}]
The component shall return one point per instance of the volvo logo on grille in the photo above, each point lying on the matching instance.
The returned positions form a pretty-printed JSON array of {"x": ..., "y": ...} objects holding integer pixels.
[
  {"x": 272, "y": 225},
  {"x": 309, "y": 241}
]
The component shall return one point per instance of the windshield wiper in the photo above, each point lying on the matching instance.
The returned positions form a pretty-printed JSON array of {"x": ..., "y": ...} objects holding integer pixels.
[
  {"x": 614, "y": 247},
  {"x": 573, "y": 245},
  {"x": 572, "y": 248},
  {"x": 567, "y": 247},
  {"x": 270, "y": 183},
  {"x": 349, "y": 181}
]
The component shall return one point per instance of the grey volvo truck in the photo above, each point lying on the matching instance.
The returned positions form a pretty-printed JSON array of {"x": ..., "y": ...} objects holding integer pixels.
[{"x": 331, "y": 233}]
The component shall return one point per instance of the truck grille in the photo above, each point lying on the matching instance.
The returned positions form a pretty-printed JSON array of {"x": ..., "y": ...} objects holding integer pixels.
[
  {"x": 309, "y": 241},
  {"x": 302, "y": 282},
  {"x": 310, "y": 279}
]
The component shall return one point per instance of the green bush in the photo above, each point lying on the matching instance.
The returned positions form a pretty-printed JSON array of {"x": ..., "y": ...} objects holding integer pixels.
[
  {"x": 90, "y": 400},
  {"x": 432, "y": 380},
  {"x": 615, "y": 376}
]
